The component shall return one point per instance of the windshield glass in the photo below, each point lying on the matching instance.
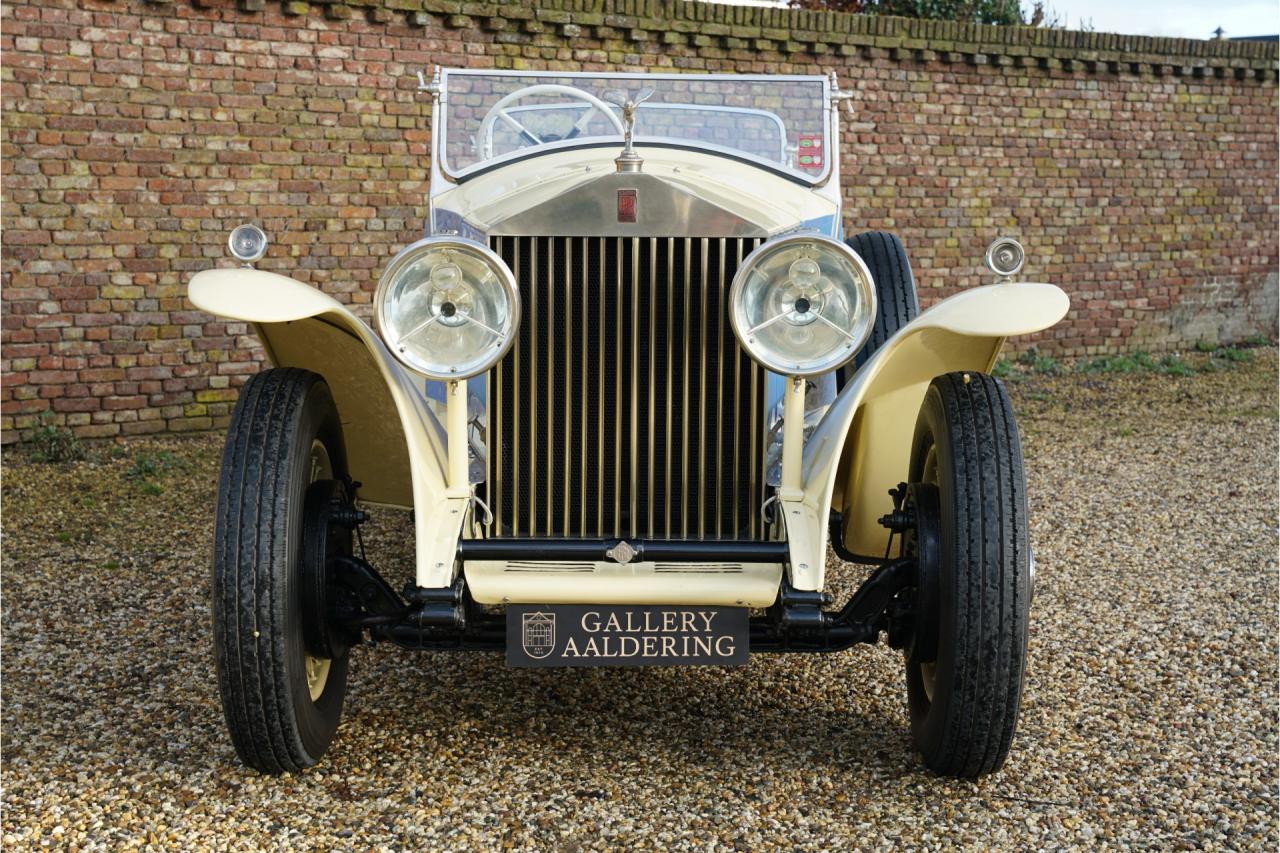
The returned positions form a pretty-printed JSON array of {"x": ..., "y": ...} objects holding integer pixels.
[{"x": 492, "y": 116}]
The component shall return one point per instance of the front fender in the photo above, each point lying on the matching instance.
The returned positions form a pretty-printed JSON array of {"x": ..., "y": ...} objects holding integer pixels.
[
  {"x": 396, "y": 446},
  {"x": 861, "y": 448}
]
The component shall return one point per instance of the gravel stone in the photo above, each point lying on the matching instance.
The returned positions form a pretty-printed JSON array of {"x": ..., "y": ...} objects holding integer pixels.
[{"x": 1149, "y": 719}]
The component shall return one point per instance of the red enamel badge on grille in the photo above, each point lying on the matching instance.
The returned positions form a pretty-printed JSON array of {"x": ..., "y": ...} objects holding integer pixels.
[{"x": 627, "y": 205}]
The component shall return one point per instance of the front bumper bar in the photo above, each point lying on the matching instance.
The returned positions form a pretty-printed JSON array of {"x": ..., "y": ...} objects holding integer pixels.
[{"x": 652, "y": 550}]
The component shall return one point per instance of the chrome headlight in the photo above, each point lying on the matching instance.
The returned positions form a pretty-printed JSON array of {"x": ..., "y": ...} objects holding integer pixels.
[
  {"x": 248, "y": 243},
  {"x": 1005, "y": 257},
  {"x": 802, "y": 305},
  {"x": 448, "y": 307}
]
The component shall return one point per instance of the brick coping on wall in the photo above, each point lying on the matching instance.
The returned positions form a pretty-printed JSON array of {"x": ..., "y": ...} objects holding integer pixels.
[{"x": 797, "y": 31}]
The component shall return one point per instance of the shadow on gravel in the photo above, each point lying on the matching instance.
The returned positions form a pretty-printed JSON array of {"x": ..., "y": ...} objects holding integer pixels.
[{"x": 761, "y": 714}]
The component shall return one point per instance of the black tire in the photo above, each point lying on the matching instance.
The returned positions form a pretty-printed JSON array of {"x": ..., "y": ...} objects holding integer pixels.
[
  {"x": 269, "y": 462},
  {"x": 895, "y": 287},
  {"x": 964, "y": 691}
]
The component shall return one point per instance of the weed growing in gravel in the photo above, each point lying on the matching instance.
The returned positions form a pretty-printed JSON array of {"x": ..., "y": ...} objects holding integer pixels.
[
  {"x": 1131, "y": 363},
  {"x": 1224, "y": 358},
  {"x": 1237, "y": 353},
  {"x": 147, "y": 468},
  {"x": 1234, "y": 354},
  {"x": 1037, "y": 363},
  {"x": 1031, "y": 361},
  {"x": 52, "y": 443},
  {"x": 1174, "y": 366},
  {"x": 1220, "y": 357}
]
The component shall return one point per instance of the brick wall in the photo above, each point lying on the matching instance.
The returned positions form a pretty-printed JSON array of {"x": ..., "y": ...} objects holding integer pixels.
[{"x": 1140, "y": 172}]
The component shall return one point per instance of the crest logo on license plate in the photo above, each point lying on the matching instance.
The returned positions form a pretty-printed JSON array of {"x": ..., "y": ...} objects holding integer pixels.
[{"x": 539, "y": 634}]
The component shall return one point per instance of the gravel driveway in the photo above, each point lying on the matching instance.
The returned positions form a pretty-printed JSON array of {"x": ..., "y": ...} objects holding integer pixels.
[{"x": 1150, "y": 716}]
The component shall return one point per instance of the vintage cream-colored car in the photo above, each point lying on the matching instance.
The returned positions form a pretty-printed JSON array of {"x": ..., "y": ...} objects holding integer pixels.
[{"x": 631, "y": 383}]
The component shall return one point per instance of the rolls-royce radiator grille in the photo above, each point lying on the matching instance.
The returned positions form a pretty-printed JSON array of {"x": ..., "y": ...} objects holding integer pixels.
[{"x": 626, "y": 407}]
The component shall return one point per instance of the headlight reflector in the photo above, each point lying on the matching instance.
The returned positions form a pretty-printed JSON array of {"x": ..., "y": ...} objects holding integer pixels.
[
  {"x": 802, "y": 305},
  {"x": 448, "y": 307}
]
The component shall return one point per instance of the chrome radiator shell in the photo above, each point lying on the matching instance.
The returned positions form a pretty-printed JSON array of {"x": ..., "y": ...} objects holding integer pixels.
[{"x": 626, "y": 407}]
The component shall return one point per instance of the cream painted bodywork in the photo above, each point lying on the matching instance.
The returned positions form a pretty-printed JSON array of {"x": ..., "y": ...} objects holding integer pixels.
[
  {"x": 528, "y": 582},
  {"x": 396, "y": 446},
  {"x": 573, "y": 192},
  {"x": 861, "y": 447}
]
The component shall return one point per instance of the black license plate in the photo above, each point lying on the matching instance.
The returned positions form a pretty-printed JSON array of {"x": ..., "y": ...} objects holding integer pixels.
[{"x": 626, "y": 635}]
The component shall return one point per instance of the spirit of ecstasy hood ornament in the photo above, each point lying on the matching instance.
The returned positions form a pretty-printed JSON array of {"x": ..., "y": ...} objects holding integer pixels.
[{"x": 628, "y": 160}]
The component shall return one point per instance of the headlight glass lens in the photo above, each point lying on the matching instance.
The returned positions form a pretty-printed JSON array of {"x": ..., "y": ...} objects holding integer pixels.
[
  {"x": 448, "y": 308},
  {"x": 803, "y": 305},
  {"x": 248, "y": 243},
  {"x": 1005, "y": 256}
]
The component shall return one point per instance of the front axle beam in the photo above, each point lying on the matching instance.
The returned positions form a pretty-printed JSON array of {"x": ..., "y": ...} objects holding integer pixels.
[{"x": 447, "y": 619}]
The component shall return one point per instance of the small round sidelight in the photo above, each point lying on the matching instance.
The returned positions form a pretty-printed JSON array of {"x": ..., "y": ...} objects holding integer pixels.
[
  {"x": 802, "y": 305},
  {"x": 248, "y": 243},
  {"x": 448, "y": 307},
  {"x": 1005, "y": 256}
]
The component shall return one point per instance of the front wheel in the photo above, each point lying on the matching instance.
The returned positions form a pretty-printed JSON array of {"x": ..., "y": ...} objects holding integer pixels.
[
  {"x": 965, "y": 664},
  {"x": 284, "y": 459}
]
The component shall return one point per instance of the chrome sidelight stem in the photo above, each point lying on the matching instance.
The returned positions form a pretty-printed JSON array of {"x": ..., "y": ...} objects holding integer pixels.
[
  {"x": 792, "y": 439},
  {"x": 456, "y": 427}
]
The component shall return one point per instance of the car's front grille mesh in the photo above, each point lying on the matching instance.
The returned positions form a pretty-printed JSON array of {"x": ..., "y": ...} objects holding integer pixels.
[{"x": 626, "y": 407}]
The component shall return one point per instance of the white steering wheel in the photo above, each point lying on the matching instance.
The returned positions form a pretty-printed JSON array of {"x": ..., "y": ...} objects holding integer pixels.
[{"x": 499, "y": 111}]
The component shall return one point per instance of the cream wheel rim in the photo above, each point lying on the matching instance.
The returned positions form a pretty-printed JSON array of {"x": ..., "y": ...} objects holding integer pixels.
[
  {"x": 928, "y": 676},
  {"x": 320, "y": 468},
  {"x": 317, "y": 675},
  {"x": 317, "y": 669}
]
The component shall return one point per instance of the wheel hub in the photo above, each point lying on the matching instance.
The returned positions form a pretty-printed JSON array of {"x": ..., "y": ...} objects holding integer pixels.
[
  {"x": 326, "y": 535},
  {"x": 921, "y": 541}
]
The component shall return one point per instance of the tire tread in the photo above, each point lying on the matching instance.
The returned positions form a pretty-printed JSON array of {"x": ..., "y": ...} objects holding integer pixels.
[
  {"x": 894, "y": 283},
  {"x": 250, "y": 547},
  {"x": 990, "y": 554}
]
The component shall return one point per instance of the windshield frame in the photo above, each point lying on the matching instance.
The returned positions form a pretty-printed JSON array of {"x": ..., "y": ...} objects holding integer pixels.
[
  {"x": 440, "y": 112},
  {"x": 773, "y": 118}
]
